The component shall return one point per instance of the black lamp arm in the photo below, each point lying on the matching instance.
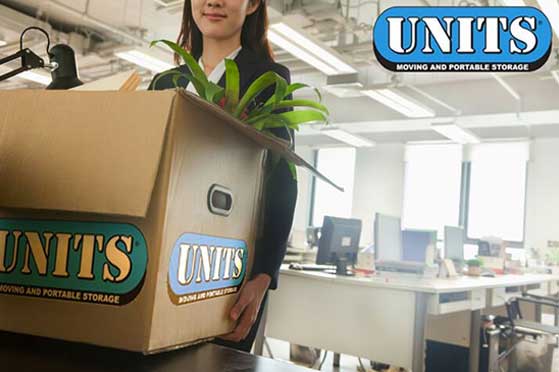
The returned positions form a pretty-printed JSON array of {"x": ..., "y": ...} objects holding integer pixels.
[{"x": 29, "y": 60}]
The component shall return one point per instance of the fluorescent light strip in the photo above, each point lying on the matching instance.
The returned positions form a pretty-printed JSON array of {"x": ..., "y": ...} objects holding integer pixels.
[
  {"x": 456, "y": 133},
  {"x": 399, "y": 103},
  {"x": 312, "y": 47},
  {"x": 507, "y": 86},
  {"x": 513, "y": 2},
  {"x": 144, "y": 60},
  {"x": 36, "y": 77},
  {"x": 300, "y": 53},
  {"x": 551, "y": 10},
  {"x": 346, "y": 137}
]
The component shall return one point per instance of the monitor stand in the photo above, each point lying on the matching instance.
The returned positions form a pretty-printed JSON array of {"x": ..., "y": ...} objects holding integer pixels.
[{"x": 341, "y": 268}]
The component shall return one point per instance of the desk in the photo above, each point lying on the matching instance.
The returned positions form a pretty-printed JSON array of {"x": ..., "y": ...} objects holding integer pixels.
[
  {"x": 28, "y": 353},
  {"x": 380, "y": 318}
]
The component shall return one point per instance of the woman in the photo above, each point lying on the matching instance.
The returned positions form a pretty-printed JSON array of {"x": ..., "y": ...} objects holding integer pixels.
[{"x": 213, "y": 30}]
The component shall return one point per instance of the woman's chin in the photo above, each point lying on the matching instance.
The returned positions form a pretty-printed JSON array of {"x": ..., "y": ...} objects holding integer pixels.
[{"x": 216, "y": 33}]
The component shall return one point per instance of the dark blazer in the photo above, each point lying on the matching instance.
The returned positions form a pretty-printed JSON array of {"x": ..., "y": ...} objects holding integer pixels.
[{"x": 280, "y": 189}]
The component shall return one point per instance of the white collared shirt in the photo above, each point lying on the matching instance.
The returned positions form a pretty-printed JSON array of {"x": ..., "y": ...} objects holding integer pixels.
[{"x": 217, "y": 72}]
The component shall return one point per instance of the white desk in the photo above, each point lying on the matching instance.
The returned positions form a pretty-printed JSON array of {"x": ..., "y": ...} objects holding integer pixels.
[{"x": 381, "y": 318}]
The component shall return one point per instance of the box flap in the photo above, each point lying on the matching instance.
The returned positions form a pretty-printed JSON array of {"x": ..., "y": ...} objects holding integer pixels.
[
  {"x": 272, "y": 143},
  {"x": 93, "y": 152}
]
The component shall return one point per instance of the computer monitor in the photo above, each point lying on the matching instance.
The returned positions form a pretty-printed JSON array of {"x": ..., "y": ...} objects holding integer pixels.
[
  {"x": 388, "y": 238},
  {"x": 491, "y": 247},
  {"x": 454, "y": 243},
  {"x": 339, "y": 243},
  {"x": 415, "y": 244}
]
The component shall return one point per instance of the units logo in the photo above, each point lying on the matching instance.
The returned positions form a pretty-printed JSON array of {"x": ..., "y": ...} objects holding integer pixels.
[
  {"x": 204, "y": 267},
  {"x": 456, "y": 39},
  {"x": 94, "y": 262}
]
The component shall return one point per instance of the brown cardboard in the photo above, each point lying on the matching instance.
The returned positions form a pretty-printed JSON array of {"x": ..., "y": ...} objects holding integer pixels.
[{"x": 92, "y": 182}]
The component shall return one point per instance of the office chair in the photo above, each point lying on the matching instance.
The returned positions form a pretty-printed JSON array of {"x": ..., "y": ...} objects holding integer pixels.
[
  {"x": 532, "y": 331},
  {"x": 528, "y": 327}
]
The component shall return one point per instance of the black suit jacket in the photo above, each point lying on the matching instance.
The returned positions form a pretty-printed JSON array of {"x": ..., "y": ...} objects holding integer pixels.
[{"x": 280, "y": 189}]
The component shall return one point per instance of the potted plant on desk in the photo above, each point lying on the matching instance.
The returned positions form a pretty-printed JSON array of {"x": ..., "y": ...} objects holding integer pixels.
[{"x": 474, "y": 267}]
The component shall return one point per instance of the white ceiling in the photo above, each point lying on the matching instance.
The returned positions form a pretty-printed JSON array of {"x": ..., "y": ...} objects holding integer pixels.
[{"x": 481, "y": 103}]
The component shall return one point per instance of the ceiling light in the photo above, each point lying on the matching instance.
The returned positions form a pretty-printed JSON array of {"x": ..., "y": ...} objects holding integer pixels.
[
  {"x": 300, "y": 53},
  {"x": 555, "y": 74},
  {"x": 346, "y": 137},
  {"x": 2, "y": 43},
  {"x": 169, "y": 3},
  {"x": 399, "y": 102},
  {"x": 145, "y": 60},
  {"x": 551, "y": 10},
  {"x": 314, "y": 48},
  {"x": 350, "y": 90},
  {"x": 513, "y": 2},
  {"x": 307, "y": 50},
  {"x": 456, "y": 133},
  {"x": 35, "y": 76}
]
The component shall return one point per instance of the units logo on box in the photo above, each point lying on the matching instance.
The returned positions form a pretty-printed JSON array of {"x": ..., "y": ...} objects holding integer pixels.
[
  {"x": 462, "y": 39},
  {"x": 204, "y": 267},
  {"x": 93, "y": 262}
]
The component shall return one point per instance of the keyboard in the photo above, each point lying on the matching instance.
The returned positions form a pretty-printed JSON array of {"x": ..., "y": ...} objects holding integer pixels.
[
  {"x": 400, "y": 266},
  {"x": 311, "y": 267}
]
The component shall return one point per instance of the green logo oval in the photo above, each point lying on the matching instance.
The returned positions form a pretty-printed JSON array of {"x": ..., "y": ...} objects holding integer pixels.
[{"x": 96, "y": 262}]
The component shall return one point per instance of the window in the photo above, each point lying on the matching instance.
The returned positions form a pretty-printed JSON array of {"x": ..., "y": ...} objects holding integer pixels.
[
  {"x": 338, "y": 164},
  {"x": 497, "y": 191},
  {"x": 432, "y": 187}
]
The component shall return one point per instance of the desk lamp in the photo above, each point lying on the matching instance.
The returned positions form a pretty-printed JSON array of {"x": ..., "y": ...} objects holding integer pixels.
[{"x": 62, "y": 65}]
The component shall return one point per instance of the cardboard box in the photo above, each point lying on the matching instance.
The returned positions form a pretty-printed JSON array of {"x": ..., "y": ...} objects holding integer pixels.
[{"x": 127, "y": 220}]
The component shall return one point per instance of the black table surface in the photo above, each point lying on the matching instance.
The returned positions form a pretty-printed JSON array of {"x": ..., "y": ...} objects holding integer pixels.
[{"x": 23, "y": 353}]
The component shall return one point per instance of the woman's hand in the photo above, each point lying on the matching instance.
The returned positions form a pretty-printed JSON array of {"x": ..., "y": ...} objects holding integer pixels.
[{"x": 248, "y": 304}]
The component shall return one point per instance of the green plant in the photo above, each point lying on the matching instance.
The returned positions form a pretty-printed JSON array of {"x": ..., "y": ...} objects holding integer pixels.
[
  {"x": 475, "y": 262},
  {"x": 552, "y": 256},
  {"x": 263, "y": 117}
]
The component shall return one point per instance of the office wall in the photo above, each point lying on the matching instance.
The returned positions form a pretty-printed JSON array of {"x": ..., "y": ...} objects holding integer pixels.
[
  {"x": 378, "y": 186},
  {"x": 379, "y": 182},
  {"x": 542, "y": 199}
]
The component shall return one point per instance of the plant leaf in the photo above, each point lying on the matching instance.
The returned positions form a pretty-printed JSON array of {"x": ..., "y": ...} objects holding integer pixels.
[
  {"x": 303, "y": 117},
  {"x": 176, "y": 78},
  {"x": 279, "y": 94},
  {"x": 212, "y": 89},
  {"x": 296, "y": 86},
  {"x": 261, "y": 83},
  {"x": 165, "y": 74},
  {"x": 257, "y": 118},
  {"x": 264, "y": 110},
  {"x": 218, "y": 96},
  {"x": 281, "y": 89},
  {"x": 274, "y": 121},
  {"x": 232, "y": 85},
  {"x": 302, "y": 103},
  {"x": 201, "y": 80},
  {"x": 259, "y": 125},
  {"x": 292, "y": 169}
]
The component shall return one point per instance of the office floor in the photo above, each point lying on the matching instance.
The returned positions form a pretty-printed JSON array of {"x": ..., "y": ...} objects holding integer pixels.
[
  {"x": 280, "y": 349},
  {"x": 548, "y": 319}
]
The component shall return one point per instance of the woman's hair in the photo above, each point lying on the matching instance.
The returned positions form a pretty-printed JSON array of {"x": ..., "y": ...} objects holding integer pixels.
[{"x": 253, "y": 34}]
